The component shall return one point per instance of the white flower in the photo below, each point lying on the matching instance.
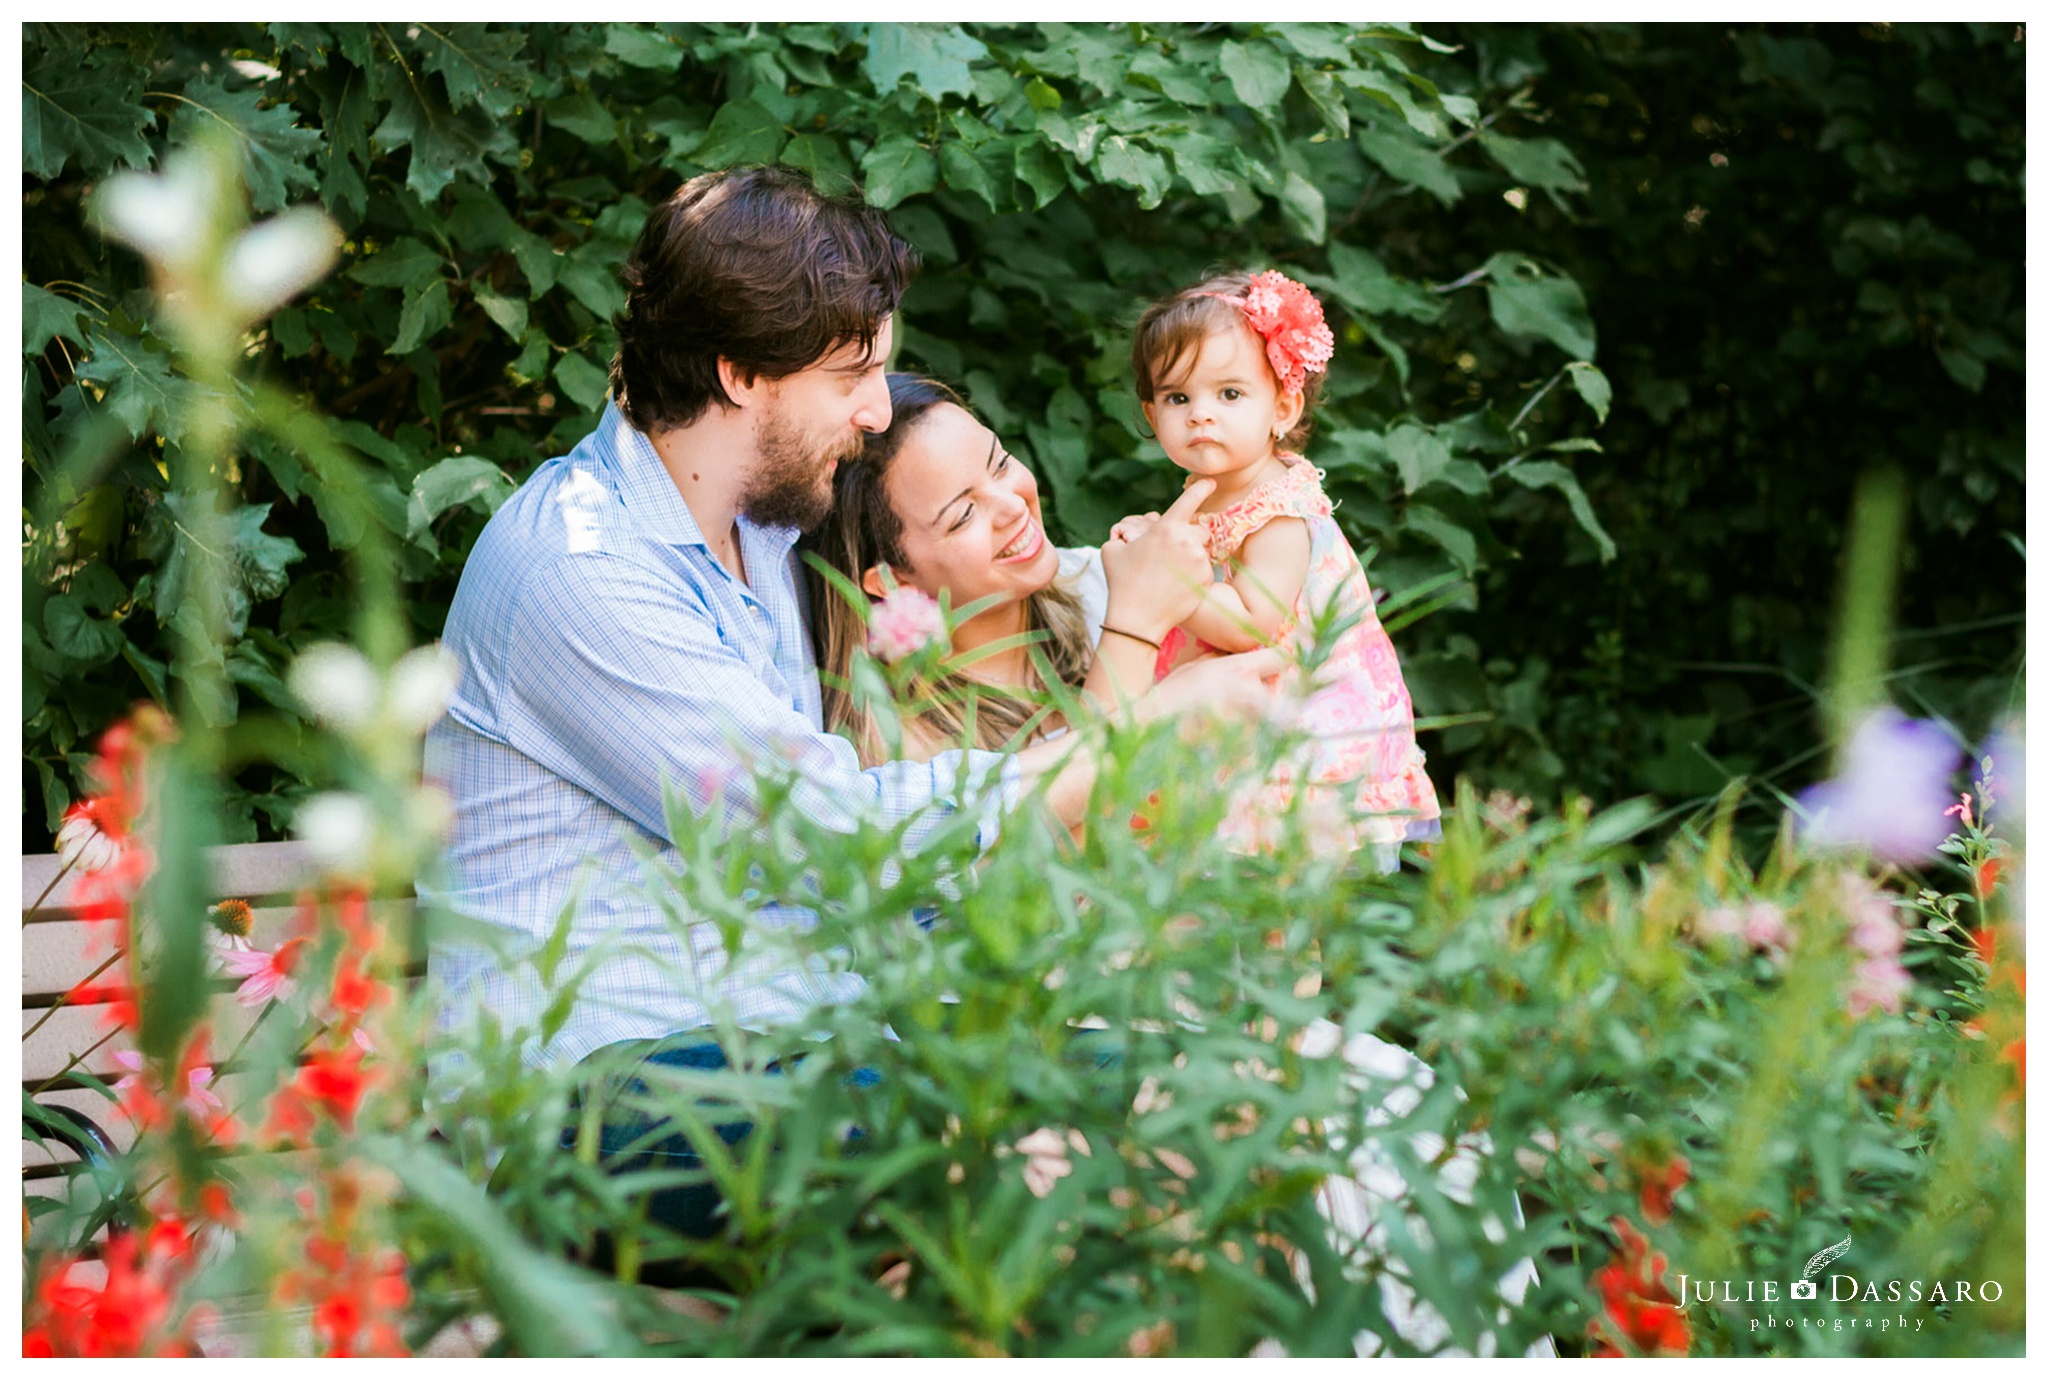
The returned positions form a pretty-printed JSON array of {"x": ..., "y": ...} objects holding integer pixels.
[
  {"x": 337, "y": 683},
  {"x": 338, "y": 829},
  {"x": 82, "y": 845},
  {"x": 1046, "y": 1160},
  {"x": 421, "y": 685},
  {"x": 268, "y": 263},
  {"x": 165, "y": 215}
]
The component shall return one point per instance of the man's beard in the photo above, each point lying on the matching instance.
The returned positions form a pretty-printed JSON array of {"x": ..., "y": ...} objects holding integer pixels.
[{"x": 792, "y": 484}]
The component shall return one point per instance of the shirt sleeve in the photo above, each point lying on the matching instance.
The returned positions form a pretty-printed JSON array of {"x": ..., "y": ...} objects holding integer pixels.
[{"x": 618, "y": 681}]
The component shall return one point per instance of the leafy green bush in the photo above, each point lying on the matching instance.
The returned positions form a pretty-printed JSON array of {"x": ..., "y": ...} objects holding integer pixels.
[{"x": 488, "y": 180}]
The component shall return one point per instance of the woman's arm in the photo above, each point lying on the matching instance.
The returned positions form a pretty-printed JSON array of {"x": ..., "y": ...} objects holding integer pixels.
[{"x": 1255, "y": 607}]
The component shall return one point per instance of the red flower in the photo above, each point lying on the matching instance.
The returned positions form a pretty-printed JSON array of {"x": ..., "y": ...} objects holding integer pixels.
[
  {"x": 328, "y": 1081},
  {"x": 1659, "y": 1186},
  {"x": 360, "y": 1304},
  {"x": 125, "y": 1315},
  {"x": 1636, "y": 1307},
  {"x": 355, "y": 991},
  {"x": 1987, "y": 875}
]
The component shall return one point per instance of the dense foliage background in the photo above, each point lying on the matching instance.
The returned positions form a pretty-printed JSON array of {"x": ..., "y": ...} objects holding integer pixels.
[{"x": 1794, "y": 251}]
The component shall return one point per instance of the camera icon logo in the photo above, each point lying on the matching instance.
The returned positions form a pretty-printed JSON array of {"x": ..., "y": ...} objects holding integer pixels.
[{"x": 1804, "y": 1289}]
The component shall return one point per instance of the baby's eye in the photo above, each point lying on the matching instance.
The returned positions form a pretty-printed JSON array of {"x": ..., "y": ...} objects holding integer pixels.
[
  {"x": 1232, "y": 394},
  {"x": 1176, "y": 399}
]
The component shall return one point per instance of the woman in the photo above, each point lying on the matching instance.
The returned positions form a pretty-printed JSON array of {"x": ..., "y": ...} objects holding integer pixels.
[
  {"x": 936, "y": 503},
  {"x": 959, "y": 514}
]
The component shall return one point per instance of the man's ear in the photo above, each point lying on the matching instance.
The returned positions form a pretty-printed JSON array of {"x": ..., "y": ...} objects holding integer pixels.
[{"x": 743, "y": 386}]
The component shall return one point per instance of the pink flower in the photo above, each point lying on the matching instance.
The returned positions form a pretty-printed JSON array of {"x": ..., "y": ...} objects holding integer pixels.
[
  {"x": 1873, "y": 923},
  {"x": 1763, "y": 925},
  {"x": 1289, "y": 319},
  {"x": 904, "y": 623},
  {"x": 268, "y": 974},
  {"x": 1760, "y": 924},
  {"x": 199, "y": 1099},
  {"x": 1879, "y": 982}
]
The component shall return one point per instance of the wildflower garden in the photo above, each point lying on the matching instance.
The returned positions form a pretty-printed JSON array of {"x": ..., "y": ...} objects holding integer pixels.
[{"x": 1675, "y": 408}]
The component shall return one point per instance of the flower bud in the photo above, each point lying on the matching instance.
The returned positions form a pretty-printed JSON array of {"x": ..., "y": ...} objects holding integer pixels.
[
  {"x": 422, "y": 683},
  {"x": 337, "y": 685}
]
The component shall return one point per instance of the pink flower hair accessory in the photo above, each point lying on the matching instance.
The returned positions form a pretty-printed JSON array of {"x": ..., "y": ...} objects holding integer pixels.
[{"x": 1289, "y": 319}]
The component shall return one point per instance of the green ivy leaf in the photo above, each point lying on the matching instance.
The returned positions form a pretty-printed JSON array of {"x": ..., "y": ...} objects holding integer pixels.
[
  {"x": 1548, "y": 474},
  {"x": 77, "y": 634},
  {"x": 1324, "y": 95},
  {"x": 585, "y": 383},
  {"x": 1462, "y": 546},
  {"x": 1592, "y": 385},
  {"x": 1544, "y": 163},
  {"x": 276, "y": 151},
  {"x": 399, "y": 264},
  {"x": 508, "y": 314},
  {"x": 1301, "y": 206},
  {"x": 1038, "y": 165},
  {"x": 1257, "y": 72},
  {"x": 964, "y": 174},
  {"x": 1395, "y": 93},
  {"x": 938, "y": 59},
  {"x": 636, "y": 45},
  {"x": 260, "y": 558},
  {"x": 1409, "y": 161},
  {"x": 1204, "y": 163},
  {"x": 741, "y": 132},
  {"x": 590, "y": 275},
  {"x": 456, "y": 480},
  {"x": 1120, "y": 161},
  {"x": 1361, "y": 282},
  {"x": 73, "y": 110},
  {"x": 582, "y": 114},
  {"x": 821, "y": 156},
  {"x": 45, "y": 316},
  {"x": 444, "y": 142},
  {"x": 480, "y": 65},
  {"x": 142, "y": 393},
  {"x": 426, "y": 311},
  {"x": 1528, "y": 301},
  {"x": 1419, "y": 456},
  {"x": 898, "y": 167}
]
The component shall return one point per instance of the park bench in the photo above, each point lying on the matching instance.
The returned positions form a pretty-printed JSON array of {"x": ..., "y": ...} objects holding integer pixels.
[{"x": 65, "y": 1034}]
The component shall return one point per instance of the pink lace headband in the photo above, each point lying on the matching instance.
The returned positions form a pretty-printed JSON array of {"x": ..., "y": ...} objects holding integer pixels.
[{"x": 1289, "y": 319}]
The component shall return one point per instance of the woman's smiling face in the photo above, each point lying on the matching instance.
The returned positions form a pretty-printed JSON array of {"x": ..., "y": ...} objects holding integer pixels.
[{"x": 970, "y": 512}]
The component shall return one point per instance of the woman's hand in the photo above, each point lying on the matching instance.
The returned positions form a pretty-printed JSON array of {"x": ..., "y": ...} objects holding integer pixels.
[{"x": 1156, "y": 577}]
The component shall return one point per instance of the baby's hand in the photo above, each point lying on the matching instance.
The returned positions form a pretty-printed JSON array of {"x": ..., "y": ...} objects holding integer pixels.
[{"x": 1131, "y": 528}]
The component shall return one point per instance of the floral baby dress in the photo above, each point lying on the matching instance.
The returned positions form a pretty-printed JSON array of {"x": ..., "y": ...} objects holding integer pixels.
[{"x": 1362, "y": 778}]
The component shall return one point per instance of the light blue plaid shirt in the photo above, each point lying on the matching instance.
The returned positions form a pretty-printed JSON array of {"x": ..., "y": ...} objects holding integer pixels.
[{"x": 604, "y": 651}]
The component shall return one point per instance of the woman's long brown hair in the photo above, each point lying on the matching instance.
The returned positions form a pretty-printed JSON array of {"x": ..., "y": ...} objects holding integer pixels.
[{"x": 863, "y": 531}]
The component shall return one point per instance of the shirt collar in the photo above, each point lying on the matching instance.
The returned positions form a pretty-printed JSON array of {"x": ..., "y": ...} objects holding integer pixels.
[{"x": 652, "y": 499}]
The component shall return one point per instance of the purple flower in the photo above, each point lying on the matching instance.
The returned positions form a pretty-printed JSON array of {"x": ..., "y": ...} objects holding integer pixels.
[
  {"x": 2002, "y": 777},
  {"x": 1889, "y": 797}
]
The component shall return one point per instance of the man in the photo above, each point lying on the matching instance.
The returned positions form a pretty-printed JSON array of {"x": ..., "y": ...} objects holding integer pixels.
[{"x": 631, "y": 617}]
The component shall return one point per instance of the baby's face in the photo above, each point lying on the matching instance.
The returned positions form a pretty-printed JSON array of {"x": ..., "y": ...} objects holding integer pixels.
[{"x": 1224, "y": 410}]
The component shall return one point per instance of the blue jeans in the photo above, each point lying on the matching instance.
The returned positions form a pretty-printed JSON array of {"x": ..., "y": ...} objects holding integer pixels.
[{"x": 625, "y": 1128}]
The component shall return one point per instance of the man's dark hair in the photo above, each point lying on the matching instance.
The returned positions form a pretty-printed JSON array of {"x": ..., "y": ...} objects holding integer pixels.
[{"x": 755, "y": 265}]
